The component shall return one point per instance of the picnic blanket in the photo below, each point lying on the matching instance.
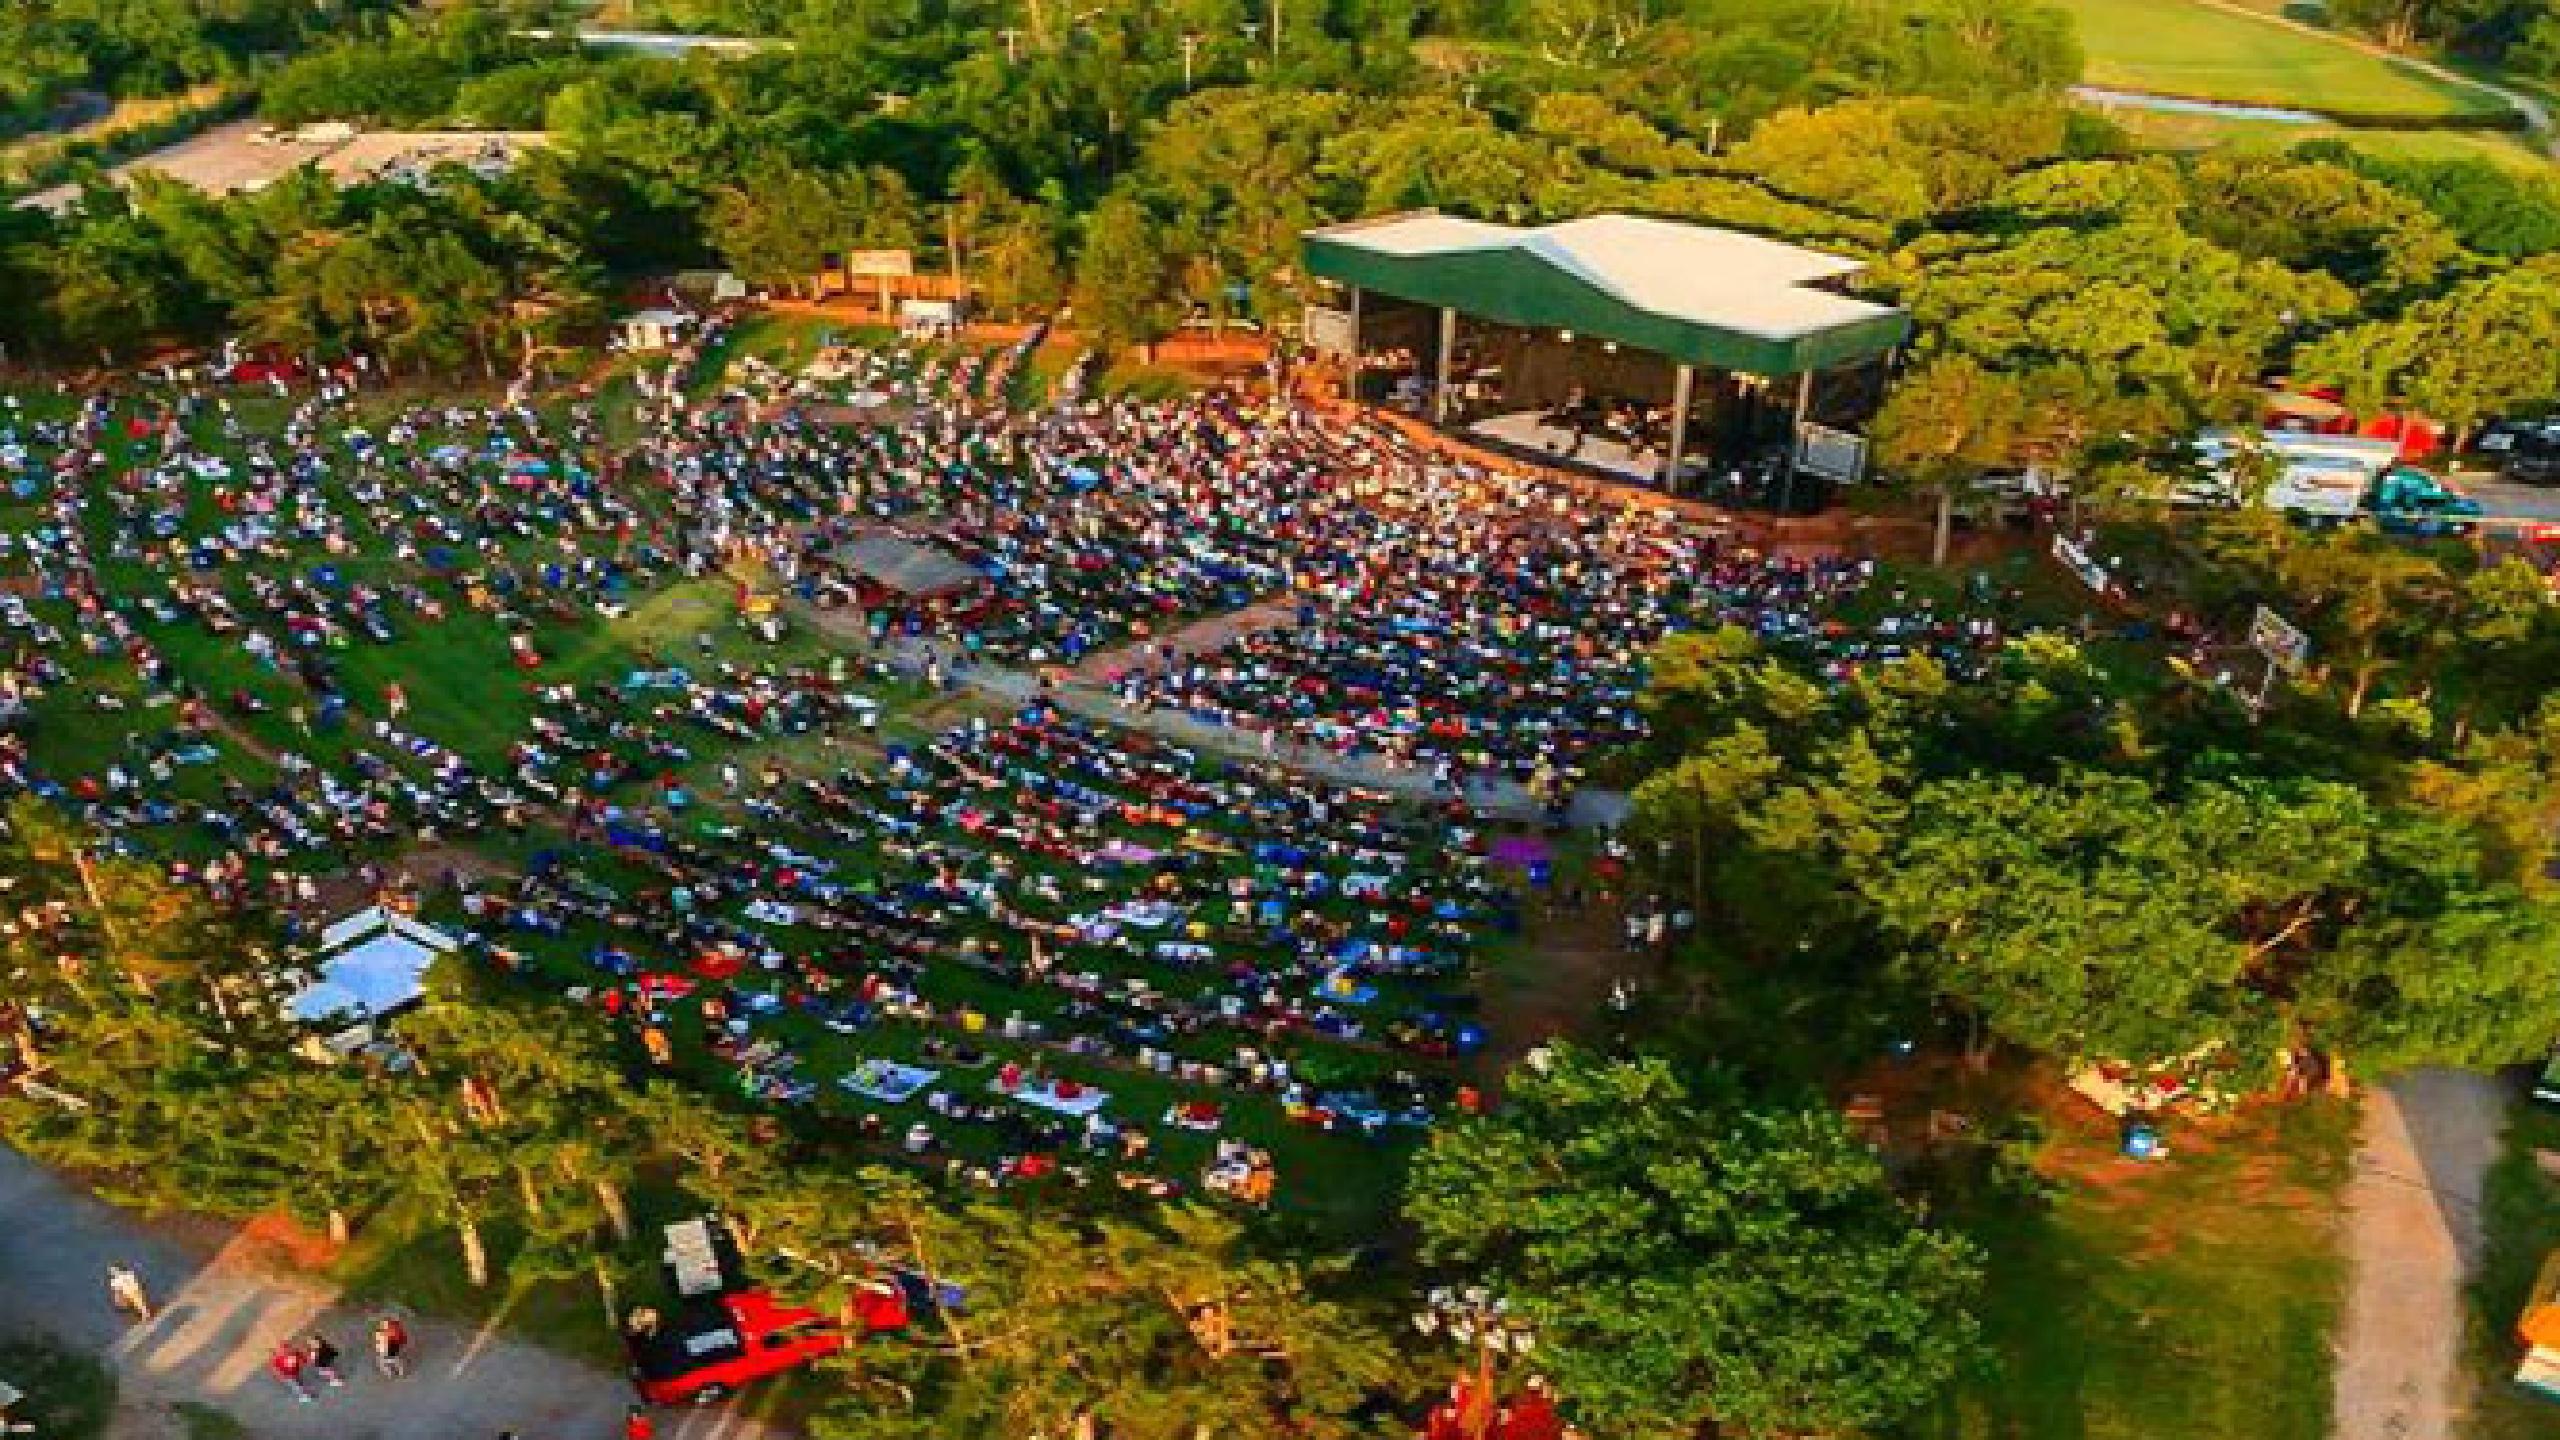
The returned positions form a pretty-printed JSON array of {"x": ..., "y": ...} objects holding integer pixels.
[
  {"x": 888, "y": 1081},
  {"x": 1341, "y": 987},
  {"x": 1085, "y": 1101}
]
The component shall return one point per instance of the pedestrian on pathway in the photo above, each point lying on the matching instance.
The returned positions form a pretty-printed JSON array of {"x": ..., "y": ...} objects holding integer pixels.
[
  {"x": 125, "y": 1291},
  {"x": 637, "y": 1425},
  {"x": 391, "y": 1347},
  {"x": 286, "y": 1364},
  {"x": 322, "y": 1356}
]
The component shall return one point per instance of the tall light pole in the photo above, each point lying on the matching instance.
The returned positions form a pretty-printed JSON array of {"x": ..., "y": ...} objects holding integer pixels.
[{"x": 1190, "y": 48}]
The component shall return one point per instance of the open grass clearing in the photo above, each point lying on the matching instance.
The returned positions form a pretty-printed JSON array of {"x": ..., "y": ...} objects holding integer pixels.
[
  {"x": 2195, "y": 51},
  {"x": 2161, "y": 131},
  {"x": 2194, "y": 1296}
]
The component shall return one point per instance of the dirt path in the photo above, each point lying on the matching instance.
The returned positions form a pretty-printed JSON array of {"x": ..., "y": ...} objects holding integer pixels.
[
  {"x": 223, "y": 1311},
  {"x": 2412, "y": 1236},
  {"x": 1198, "y": 637},
  {"x": 1560, "y": 990}
]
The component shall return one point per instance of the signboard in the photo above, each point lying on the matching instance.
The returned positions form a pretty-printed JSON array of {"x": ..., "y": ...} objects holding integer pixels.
[
  {"x": 2076, "y": 558},
  {"x": 1838, "y": 455},
  {"x": 2279, "y": 639},
  {"x": 1332, "y": 332},
  {"x": 880, "y": 264}
]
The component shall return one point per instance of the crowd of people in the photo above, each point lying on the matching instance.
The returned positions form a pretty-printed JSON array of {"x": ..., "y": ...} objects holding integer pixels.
[
  {"x": 988, "y": 932},
  {"x": 1038, "y": 910},
  {"x": 1384, "y": 603}
]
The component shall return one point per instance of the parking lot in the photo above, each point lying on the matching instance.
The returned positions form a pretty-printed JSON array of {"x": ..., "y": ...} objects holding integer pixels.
[{"x": 246, "y": 155}]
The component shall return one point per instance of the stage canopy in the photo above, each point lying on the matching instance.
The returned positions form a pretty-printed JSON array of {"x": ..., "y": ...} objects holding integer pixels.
[
  {"x": 905, "y": 567},
  {"x": 1701, "y": 296}
]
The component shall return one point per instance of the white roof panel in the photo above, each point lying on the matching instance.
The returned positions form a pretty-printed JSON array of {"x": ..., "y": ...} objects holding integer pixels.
[{"x": 1694, "y": 273}]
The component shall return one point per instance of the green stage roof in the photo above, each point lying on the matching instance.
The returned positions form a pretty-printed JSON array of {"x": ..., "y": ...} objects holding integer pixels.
[{"x": 1715, "y": 298}]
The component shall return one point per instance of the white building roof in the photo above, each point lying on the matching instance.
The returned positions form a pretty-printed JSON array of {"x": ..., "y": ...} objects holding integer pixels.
[
  {"x": 1691, "y": 273},
  {"x": 372, "y": 963}
]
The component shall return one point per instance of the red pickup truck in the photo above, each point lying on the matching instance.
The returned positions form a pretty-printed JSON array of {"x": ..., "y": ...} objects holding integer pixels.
[{"x": 706, "y": 1348}]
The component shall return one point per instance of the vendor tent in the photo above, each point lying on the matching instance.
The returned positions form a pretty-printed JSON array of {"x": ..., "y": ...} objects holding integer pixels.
[{"x": 372, "y": 965}]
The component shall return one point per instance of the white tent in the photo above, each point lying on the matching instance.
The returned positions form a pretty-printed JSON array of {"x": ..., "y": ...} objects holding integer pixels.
[{"x": 372, "y": 965}]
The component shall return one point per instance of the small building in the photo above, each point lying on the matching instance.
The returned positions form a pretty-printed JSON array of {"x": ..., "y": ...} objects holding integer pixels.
[
  {"x": 712, "y": 286},
  {"x": 885, "y": 567},
  {"x": 371, "y": 968},
  {"x": 653, "y": 329}
]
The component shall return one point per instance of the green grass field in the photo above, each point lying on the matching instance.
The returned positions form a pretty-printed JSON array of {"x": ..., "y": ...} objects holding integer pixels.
[
  {"x": 2271, "y": 137},
  {"x": 2180, "y": 48},
  {"x": 2193, "y": 1297}
]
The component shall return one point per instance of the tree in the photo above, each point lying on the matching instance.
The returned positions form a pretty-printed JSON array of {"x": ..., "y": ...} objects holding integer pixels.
[
  {"x": 1123, "y": 277},
  {"x": 1693, "y": 1264},
  {"x": 2484, "y": 348},
  {"x": 1704, "y": 797},
  {"x": 2368, "y": 603},
  {"x": 1162, "y": 1330},
  {"x": 777, "y": 225},
  {"x": 1942, "y": 427}
]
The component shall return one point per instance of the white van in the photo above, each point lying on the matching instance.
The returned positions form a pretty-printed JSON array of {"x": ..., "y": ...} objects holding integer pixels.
[{"x": 2318, "y": 477}]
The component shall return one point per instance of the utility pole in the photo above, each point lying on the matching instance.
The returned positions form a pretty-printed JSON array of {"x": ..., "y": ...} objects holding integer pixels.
[
  {"x": 1275, "y": 32},
  {"x": 1012, "y": 40},
  {"x": 1190, "y": 48}
]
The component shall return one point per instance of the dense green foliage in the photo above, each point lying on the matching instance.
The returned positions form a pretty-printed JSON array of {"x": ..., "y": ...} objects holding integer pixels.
[
  {"x": 50, "y": 48},
  {"x": 2085, "y": 863},
  {"x": 1689, "y": 1262}
]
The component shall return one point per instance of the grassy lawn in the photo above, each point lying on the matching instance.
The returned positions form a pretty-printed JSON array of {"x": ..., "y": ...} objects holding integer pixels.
[
  {"x": 2270, "y": 137},
  {"x": 2520, "y": 1221},
  {"x": 69, "y": 1397},
  {"x": 2173, "y": 47},
  {"x": 2192, "y": 1297}
]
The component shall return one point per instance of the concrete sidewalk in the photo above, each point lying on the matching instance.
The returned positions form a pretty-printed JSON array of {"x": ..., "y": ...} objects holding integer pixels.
[
  {"x": 2412, "y": 1237},
  {"x": 221, "y": 1315}
]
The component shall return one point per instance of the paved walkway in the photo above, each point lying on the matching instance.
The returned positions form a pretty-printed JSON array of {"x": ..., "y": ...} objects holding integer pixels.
[
  {"x": 1500, "y": 798},
  {"x": 221, "y": 1314},
  {"x": 2412, "y": 1236}
]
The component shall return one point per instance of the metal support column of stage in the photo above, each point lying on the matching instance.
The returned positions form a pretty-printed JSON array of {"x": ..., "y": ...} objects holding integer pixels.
[
  {"x": 1795, "y": 442},
  {"x": 1681, "y": 382},
  {"x": 1440, "y": 366},
  {"x": 1353, "y": 386}
]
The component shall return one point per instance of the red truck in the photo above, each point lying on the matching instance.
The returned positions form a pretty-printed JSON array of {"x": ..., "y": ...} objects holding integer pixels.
[
  {"x": 725, "y": 1331},
  {"x": 707, "y": 1347}
]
